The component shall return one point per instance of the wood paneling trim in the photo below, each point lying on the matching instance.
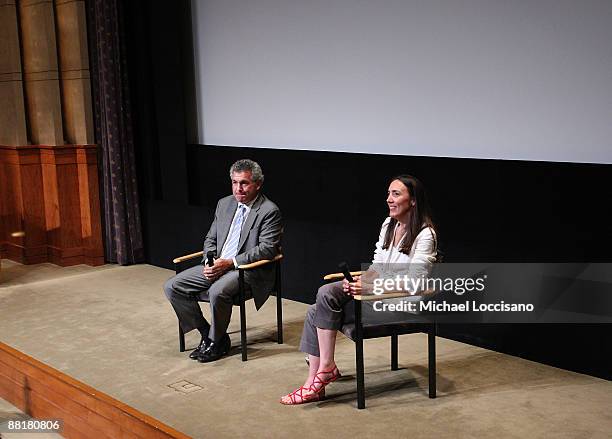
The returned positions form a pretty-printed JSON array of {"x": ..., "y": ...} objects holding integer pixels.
[{"x": 43, "y": 391}]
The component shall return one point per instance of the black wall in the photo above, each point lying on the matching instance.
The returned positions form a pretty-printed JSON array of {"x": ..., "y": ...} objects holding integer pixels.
[{"x": 333, "y": 203}]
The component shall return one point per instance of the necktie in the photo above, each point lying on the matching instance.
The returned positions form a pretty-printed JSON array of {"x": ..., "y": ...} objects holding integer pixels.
[{"x": 232, "y": 240}]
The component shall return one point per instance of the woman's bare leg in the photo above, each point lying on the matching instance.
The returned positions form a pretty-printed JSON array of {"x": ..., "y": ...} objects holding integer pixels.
[
  {"x": 327, "y": 345},
  {"x": 327, "y": 363},
  {"x": 327, "y": 348},
  {"x": 326, "y": 340}
]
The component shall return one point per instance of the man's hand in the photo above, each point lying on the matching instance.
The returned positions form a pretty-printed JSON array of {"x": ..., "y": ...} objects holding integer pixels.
[{"x": 219, "y": 268}]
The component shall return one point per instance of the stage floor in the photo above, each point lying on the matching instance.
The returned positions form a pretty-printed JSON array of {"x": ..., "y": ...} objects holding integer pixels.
[{"x": 112, "y": 328}]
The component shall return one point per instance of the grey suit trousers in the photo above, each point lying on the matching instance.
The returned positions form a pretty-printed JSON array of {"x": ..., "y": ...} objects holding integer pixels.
[{"x": 186, "y": 288}]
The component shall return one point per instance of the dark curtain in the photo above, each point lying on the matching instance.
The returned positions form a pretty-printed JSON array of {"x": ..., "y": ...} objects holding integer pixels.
[{"x": 114, "y": 132}]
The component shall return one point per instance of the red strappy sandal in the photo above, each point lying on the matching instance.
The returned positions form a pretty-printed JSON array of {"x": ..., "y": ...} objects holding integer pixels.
[
  {"x": 303, "y": 399},
  {"x": 318, "y": 381}
]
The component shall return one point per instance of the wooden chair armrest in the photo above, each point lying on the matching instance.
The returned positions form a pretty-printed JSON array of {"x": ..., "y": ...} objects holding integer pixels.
[
  {"x": 187, "y": 257},
  {"x": 338, "y": 276},
  {"x": 259, "y": 263},
  {"x": 375, "y": 297}
]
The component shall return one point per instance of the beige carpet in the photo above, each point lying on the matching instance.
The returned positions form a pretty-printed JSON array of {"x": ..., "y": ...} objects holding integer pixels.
[{"x": 112, "y": 328}]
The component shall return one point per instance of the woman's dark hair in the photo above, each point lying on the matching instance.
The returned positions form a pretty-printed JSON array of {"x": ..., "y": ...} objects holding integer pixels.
[{"x": 420, "y": 215}]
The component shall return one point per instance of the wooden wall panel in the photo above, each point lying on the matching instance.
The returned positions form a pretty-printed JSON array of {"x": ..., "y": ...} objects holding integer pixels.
[
  {"x": 23, "y": 201},
  {"x": 64, "y": 239},
  {"x": 12, "y": 105},
  {"x": 44, "y": 392},
  {"x": 49, "y": 191},
  {"x": 52, "y": 196},
  {"x": 33, "y": 242},
  {"x": 10, "y": 199},
  {"x": 41, "y": 75},
  {"x": 74, "y": 71},
  {"x": 91, "y": 227}
]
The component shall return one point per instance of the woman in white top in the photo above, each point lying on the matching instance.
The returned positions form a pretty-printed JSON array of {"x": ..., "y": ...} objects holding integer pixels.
[{"x": 407, "y": 239}]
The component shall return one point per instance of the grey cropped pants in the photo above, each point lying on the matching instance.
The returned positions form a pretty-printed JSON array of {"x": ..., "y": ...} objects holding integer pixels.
[
  {"x": 335, "y": 308},
  {"x": 332, "y": 309}
]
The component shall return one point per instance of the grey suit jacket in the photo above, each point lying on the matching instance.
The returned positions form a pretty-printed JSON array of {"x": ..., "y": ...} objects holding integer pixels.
[{"x": 259, "y": 239}]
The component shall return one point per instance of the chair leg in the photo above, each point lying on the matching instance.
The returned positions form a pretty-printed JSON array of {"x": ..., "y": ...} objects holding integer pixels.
[
  {"x": 243, "y": 336},
  {"x": 177, "y": 269},
  {"x": 279, "y": 306},
  {"x": 181, "y": 339},
  {"x": 359, "y": 356},
  {"x": 394, "y": 365},
  {"x": 431, "y": 343}
]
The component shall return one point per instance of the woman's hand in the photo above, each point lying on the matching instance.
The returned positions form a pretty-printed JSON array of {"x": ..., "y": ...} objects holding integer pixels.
[{"x": 352, "y": 288}]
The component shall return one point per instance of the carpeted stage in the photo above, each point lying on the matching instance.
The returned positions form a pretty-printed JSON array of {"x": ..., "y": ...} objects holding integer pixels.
[{"x": 112, "y": 328}]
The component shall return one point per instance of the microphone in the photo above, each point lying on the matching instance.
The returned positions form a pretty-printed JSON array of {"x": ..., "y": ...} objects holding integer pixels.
[
  {"x": 343, "y": 266},
  {"x": 209, "y": 258}
]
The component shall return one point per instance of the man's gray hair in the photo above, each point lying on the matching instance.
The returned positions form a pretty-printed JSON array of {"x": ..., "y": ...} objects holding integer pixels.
[{"x": 248, "y": 165}]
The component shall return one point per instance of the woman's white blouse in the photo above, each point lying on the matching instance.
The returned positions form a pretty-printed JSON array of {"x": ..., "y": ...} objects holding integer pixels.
[{"x": 417, "y": 263}]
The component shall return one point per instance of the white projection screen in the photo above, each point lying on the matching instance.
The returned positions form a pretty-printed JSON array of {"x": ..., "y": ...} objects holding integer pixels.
[{"x": 500, "y": 79}]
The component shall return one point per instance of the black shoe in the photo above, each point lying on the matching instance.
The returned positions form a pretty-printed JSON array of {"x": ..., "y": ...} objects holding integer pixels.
[
  {"x": 216, "y": 350},
  {"x": 201, "y": 348}
]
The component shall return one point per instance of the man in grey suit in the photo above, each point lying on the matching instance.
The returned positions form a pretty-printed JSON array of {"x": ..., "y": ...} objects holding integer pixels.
[{"x": 246, "y": 228}]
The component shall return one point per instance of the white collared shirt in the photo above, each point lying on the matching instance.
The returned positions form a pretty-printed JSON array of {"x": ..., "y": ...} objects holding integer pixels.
[
  {"x": 417, "y": 263},
  {"x": 246, "y": 215}
]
